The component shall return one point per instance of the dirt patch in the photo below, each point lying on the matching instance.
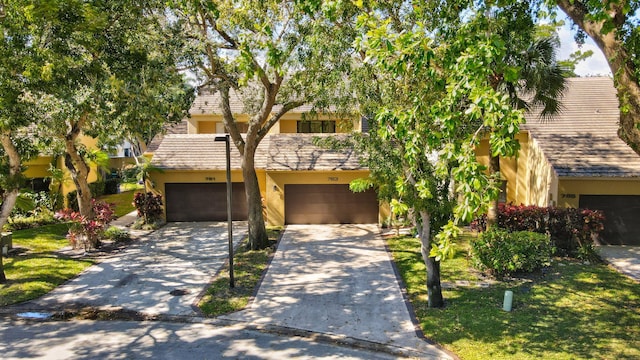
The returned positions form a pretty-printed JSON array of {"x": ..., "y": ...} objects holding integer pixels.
[
  {"x": 106, "y": 249},
  {"x": 90, "y": 313}
]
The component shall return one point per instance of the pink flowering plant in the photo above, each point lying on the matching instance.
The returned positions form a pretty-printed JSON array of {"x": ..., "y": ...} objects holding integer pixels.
[{"x": 83, "y": 232}]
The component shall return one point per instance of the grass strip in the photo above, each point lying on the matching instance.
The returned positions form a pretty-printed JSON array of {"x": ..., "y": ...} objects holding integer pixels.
[
  {"x": 248, "y": 267},
  {"x": 573, "y": 310},
  {"x": 33, "y": 268},
  {"x": 123, "y": 202}
]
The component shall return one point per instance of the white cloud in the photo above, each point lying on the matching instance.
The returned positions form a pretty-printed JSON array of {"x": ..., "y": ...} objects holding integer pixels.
[{"x": 596, "y": 64}]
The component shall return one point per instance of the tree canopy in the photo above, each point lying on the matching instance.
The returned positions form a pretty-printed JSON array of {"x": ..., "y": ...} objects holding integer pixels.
[
  {"x": 101, "y": 69},
  {"x": 275, "y": 56}
]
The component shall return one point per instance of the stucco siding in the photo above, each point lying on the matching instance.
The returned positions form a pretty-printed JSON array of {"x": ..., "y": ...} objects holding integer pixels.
[
  {"x": 38, "y": 167},
  {"x": 540, "y": 177},
  {"x": 570, "y": 189}
]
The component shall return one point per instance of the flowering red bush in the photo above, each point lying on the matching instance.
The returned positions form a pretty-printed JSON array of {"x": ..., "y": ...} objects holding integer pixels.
[
  {"x": 149, "y": 206},
  {"x": 87, "y": 232},
  {"x": 570, "y": 229}
]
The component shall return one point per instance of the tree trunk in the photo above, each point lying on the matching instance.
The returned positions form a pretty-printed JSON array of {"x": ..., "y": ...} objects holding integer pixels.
[
  {"x": 434, "y": 289},
  {"x": 10, "y": 195},
  {"x": 619, "y": 61},
  {"x": 79, "y": 170},
  {"x": 492, "y": 213},
  {"x": 258, "y": 238}
]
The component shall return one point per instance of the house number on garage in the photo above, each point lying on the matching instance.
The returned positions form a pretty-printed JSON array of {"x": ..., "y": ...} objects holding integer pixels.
[
  {"x": 568, "y": 196},
  {"x": 208, "y": 178},
  {"x": 333, "y": 178}
]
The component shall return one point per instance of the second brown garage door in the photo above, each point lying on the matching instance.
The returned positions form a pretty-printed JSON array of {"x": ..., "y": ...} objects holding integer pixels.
[
  {"x": 622, "y": 217},
  {"x": 204, "y": 202},
  {"x": 329, "y": 204}
]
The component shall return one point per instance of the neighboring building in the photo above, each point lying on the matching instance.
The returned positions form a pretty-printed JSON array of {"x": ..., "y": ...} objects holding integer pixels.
[
  {"x": 299, "y": 181},
  {"x": 39, "y": 176},
  {"x": 576, "y": 159}
]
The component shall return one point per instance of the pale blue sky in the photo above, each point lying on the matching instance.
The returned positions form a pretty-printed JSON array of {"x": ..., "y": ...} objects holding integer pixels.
[{"x": 595, "y": 65}]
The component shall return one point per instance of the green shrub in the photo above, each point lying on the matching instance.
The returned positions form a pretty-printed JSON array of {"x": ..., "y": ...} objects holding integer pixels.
[
  {"x": 571, "y": 230},
  {"x": 111, "y": 186},
  {"x": 501, "y": 252},
  {"x": 97, "y": 188},
  {"x": 21, "y": 222},
  {"x": 116, "y": 234}
]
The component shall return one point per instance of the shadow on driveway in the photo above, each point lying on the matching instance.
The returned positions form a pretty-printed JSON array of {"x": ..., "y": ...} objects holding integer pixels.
[{"x": 179, "y": 257}]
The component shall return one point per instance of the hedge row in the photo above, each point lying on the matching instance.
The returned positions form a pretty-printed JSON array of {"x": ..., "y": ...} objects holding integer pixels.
[{"x": 569, "y": 229}]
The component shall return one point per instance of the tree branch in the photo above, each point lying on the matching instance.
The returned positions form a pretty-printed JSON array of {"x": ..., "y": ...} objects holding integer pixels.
[{"x": 229, "y": 120}]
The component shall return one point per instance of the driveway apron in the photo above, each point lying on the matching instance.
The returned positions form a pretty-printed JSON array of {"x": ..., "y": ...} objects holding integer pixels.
[
  {"x": 336, "y": 279},
  {"x": 626, "y": 259},
  {"x": 179, "y": 258}
]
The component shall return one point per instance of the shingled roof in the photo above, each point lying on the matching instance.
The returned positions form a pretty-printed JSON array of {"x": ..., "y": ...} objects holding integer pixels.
[
  {"x": 275, "y": 152},
  {"x": 200, "y": 152},
  {"x": 209, "y": 103},
  {"x": 179, "y": 128},
  {"x": 298, "y": 152},
  {"x": 582, "y": 140}
]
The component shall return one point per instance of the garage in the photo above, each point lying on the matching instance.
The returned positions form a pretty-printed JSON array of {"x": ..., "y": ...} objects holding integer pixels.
[
  {"x": 622, "y": 212},
  {"x": 203, "y": 202},
  {"x": 329, "y": 204}
]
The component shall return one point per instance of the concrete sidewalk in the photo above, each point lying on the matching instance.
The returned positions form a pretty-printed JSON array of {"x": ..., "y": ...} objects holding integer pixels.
[{"x": 336, "y": 279}]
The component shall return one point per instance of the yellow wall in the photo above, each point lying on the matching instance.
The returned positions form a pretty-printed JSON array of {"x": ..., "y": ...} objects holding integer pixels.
[
  {"x": 288, "y": 126},
  {"x": 569, "y": 190},
  {"x": 275, "y": 182},
  {"x": 541, "y": 178},
  {"x": 38, "y": 167},
  {"x": 530, "y": 178},
  {"x": 207, "y": 127}
]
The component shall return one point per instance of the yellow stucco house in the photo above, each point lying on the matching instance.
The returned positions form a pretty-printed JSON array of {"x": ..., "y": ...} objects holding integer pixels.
[
  {"x": 299, "y": 181},
  {"x": 577, "y": 160},
  {"x": 573, "y": 160}
]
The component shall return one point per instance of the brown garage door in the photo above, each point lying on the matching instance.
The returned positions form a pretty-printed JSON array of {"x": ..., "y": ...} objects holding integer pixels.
[
  {"x": 329, "y": 204},
  {"x": 204, "y": 202},
  {"x": 622, "y": 212}
]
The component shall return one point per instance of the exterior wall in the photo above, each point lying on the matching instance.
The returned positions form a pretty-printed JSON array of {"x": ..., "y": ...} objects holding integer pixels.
[
  {"x": 207, "y": 127},
  {"x": 275, "y": 182},
  {"x": 209, "y": 124},
  {"x": 38, "y": 167},
  {"x": 542, "y": 180},
  {"x": 288, "y": 126},
  {"x": 569, "y": 190},
  {"x": 530, "y": 178}
]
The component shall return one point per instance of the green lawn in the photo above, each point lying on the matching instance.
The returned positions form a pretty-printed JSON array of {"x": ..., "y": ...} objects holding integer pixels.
[
  {"x": 574, "y": 311},
  {"x": 248, "y": 266},
  {"x": 36, "y": 269},
  {"x": 123, "y": 202}
]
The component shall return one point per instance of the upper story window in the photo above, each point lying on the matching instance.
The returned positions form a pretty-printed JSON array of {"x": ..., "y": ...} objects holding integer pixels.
[{"x": 316, "y": 126}]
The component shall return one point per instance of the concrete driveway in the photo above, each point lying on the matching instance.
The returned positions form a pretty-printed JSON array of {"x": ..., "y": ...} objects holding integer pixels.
[
  {"x": 178, "y": 256},
  {"x": 339, "y": 280},
  {"x": 626, "y": 259}
]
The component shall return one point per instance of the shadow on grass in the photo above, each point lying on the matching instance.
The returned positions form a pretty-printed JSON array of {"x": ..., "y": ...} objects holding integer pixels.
[{"x": 572, "y": 311}]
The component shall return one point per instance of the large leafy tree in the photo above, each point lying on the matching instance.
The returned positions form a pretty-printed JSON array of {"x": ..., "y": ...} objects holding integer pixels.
[
  {"x": 276, "y": 56},
  {"x": 16, "y": 59},
  {"x": 613, "y": 26},
  {"x": 432, "y": 101},
  {"x": 104, "y": 69}
]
